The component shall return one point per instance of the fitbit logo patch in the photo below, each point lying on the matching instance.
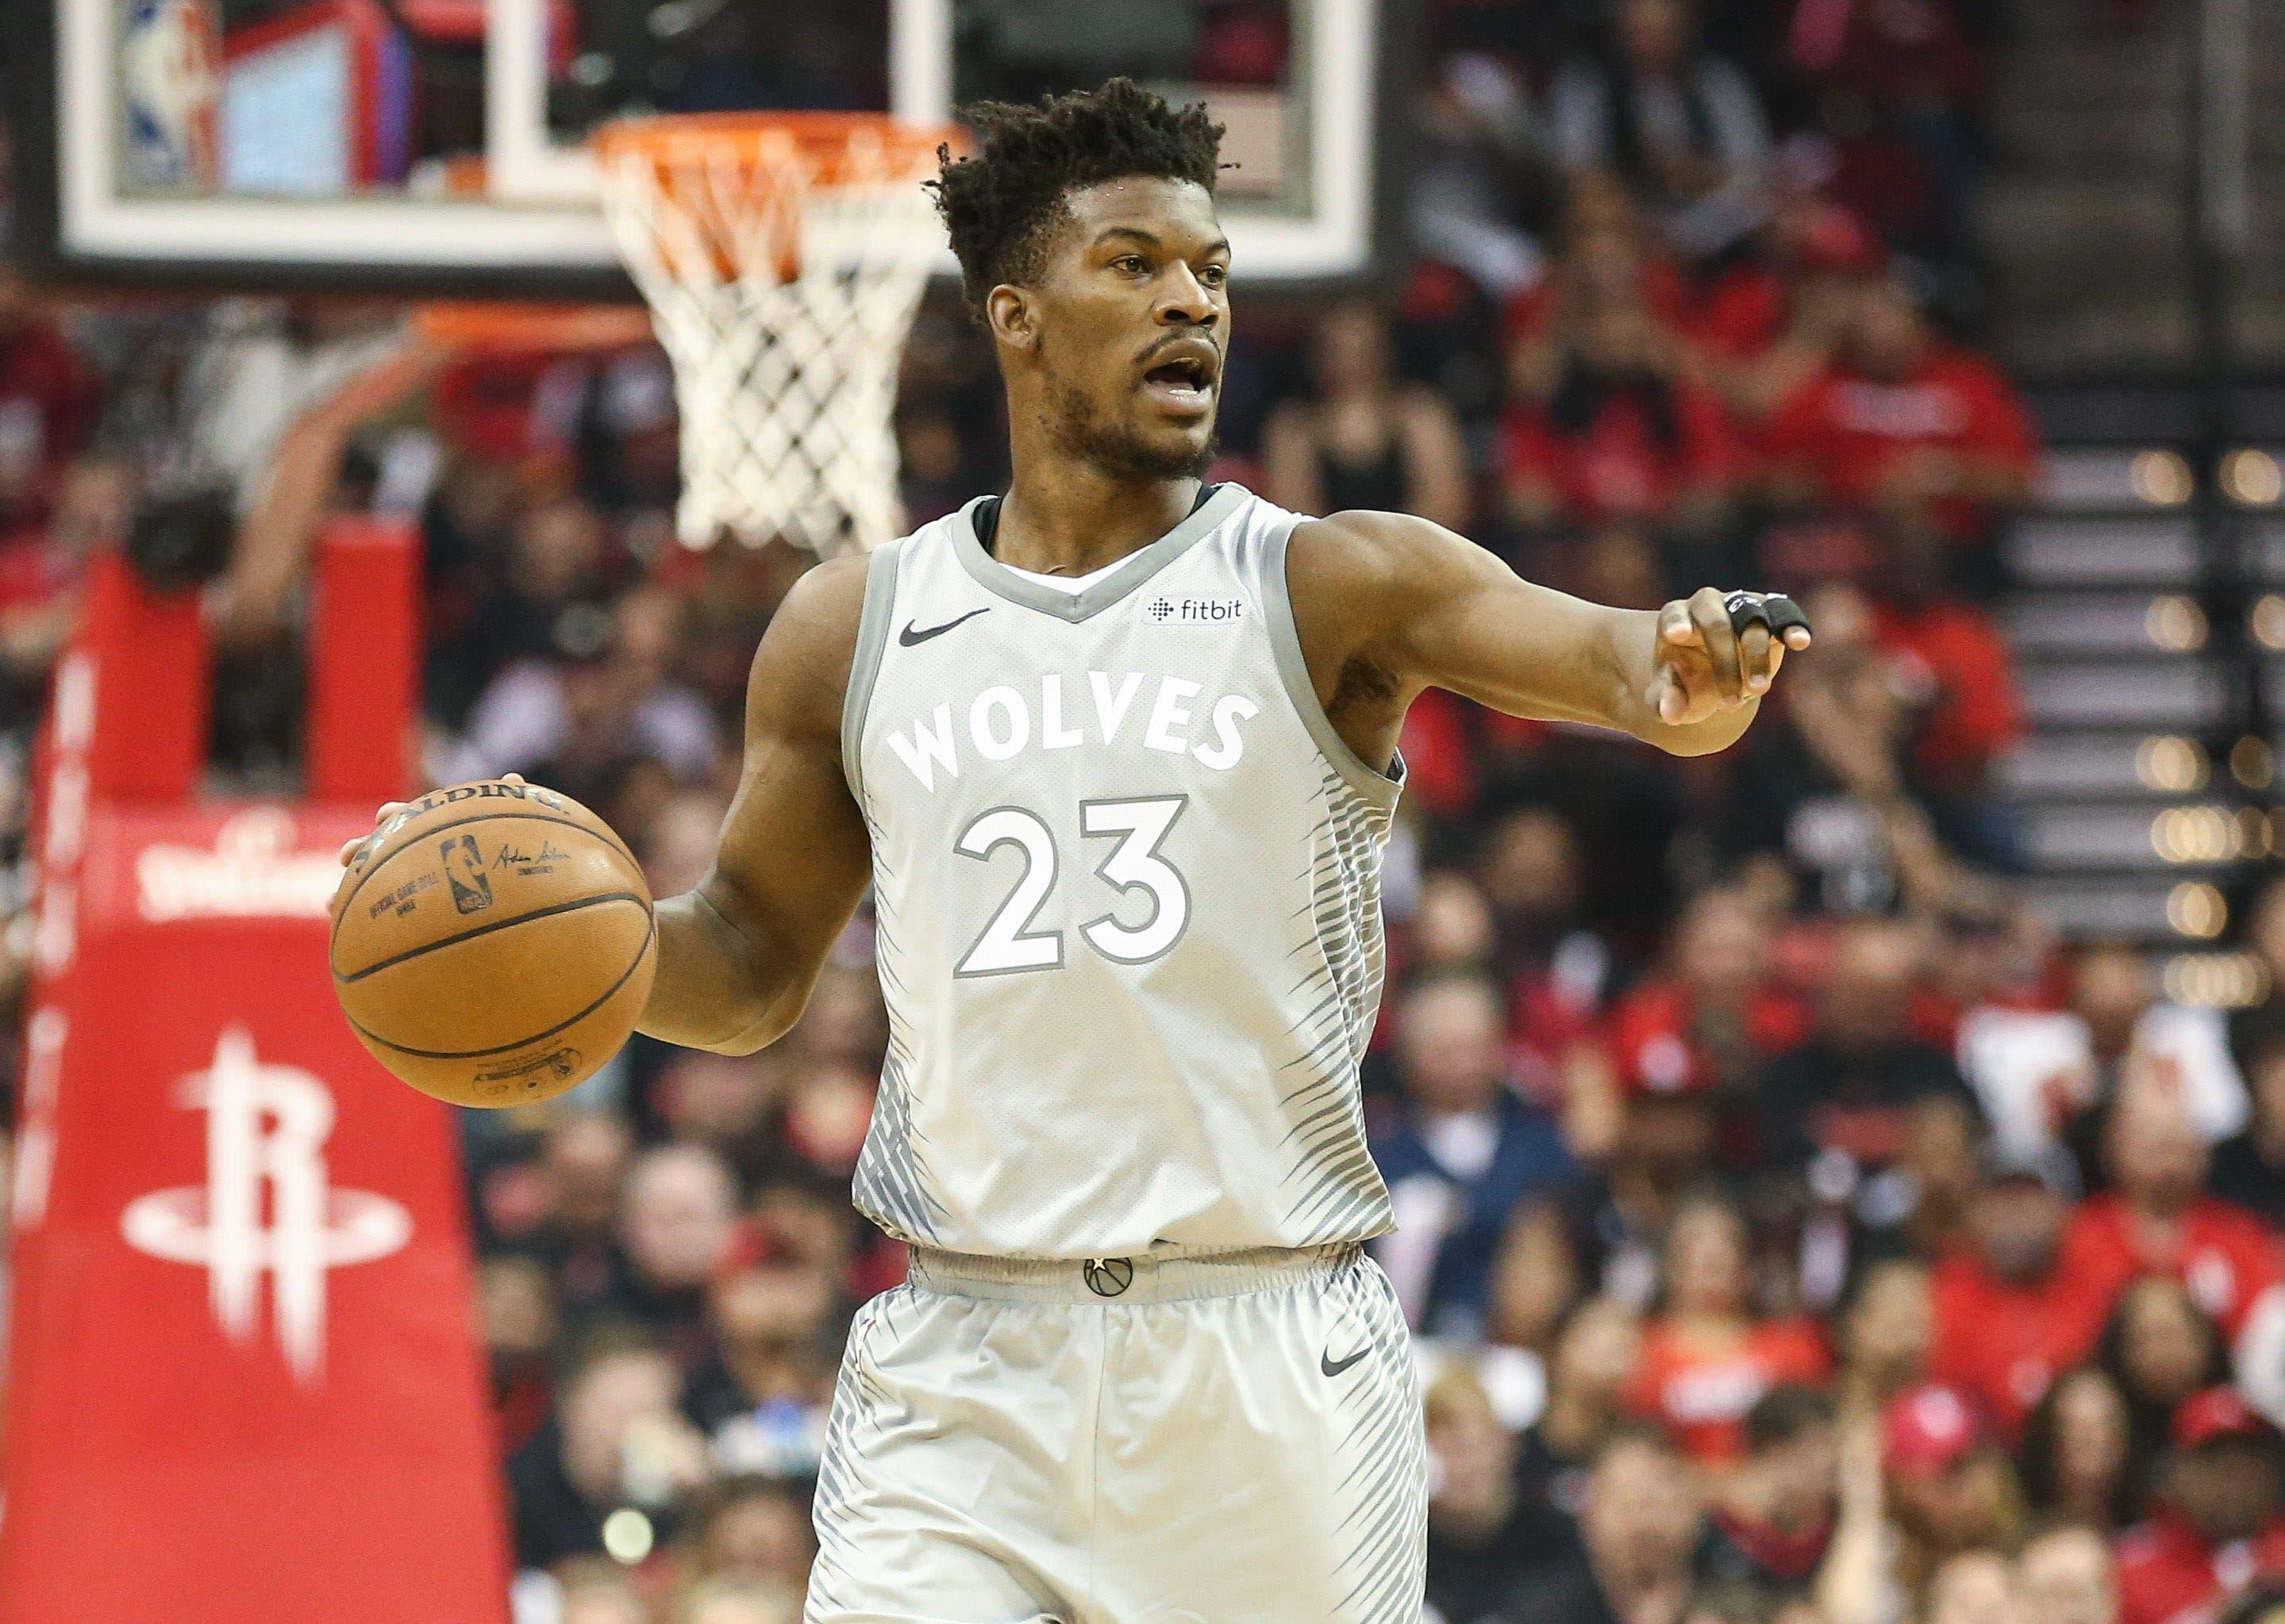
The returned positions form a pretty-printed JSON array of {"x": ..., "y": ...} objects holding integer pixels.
[{"x": 1197, "y": 611}]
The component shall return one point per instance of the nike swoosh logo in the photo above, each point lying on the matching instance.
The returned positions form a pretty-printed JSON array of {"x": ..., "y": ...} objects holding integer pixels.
[
  {"x": 1325, "y": 1360},
  {"x": 909, "y": 635}
]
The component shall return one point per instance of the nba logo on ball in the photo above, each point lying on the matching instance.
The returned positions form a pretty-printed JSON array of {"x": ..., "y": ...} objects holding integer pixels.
[
  {"x": 464, "y": 867},
  {"x": 168, "y": 91}
]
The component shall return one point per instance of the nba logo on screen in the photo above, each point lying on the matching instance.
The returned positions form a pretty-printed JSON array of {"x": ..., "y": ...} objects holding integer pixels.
[
  {"x": 266, "y": 1208},
  {"x": 167, "y": 81}
]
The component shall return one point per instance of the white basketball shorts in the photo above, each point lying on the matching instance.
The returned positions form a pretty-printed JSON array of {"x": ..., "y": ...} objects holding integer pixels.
[{"x": 1233, "y": 1440}]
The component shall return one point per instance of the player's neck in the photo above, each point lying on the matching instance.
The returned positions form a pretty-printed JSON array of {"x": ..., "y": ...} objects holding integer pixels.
[{"x": 1073, "y": 520}]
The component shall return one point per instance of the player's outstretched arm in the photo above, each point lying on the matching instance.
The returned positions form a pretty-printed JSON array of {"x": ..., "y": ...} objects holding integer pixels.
[
  {"x": 1388, "y": 605},
  {"x": 737, "y": 956}
]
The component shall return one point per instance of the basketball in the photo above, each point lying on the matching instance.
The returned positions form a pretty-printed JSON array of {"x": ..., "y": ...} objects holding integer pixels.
[{"x": 492, "y": 943}]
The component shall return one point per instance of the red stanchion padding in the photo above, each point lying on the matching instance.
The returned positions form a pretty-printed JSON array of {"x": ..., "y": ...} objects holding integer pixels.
[
  {"x": 244, "y": 1384},
  {"x": 151, "y": 686},
  {"x": 364, "y": 669}
]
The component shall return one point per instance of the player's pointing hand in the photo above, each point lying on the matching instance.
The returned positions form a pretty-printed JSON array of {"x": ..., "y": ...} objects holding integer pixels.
[{"x": 1719, "y": 651}]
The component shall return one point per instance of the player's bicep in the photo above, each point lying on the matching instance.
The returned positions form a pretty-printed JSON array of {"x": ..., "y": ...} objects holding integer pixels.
[{"x": 794, "y": 859}]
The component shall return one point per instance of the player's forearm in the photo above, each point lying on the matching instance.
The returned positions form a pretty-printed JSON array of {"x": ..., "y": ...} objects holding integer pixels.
[
  {"x": 1426, "y": 608},
  {"x": 1527, "y": 651},
  {"x": 719, "y": 986}
]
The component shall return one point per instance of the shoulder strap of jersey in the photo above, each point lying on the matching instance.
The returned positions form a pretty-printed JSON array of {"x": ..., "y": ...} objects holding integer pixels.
[{"x": 865, "y": 667}]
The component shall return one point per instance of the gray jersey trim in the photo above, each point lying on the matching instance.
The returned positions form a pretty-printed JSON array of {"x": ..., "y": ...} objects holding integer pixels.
[
  {"x": 865, "y": 667},
  {"x": 996, "y": 577},
  {"x": 1379, "y": 787}
]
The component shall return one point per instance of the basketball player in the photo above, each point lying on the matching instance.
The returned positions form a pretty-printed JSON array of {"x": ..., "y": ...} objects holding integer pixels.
[{"x": 1116, "y": 753}]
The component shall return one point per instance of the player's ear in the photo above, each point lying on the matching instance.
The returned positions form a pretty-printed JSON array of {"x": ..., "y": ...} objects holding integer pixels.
[{"x": 1008, "y": 312}]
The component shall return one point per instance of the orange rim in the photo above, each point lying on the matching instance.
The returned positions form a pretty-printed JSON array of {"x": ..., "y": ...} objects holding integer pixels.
[
  {"x": 496, "y": 326},
  {"x": 824, "y": 140}
]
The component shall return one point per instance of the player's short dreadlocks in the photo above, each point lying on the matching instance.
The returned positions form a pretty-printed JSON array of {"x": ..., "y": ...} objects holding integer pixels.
[{"x": 1000, "y": 204}]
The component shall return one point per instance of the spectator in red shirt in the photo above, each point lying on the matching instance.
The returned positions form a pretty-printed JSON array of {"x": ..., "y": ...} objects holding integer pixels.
[
  {"x": 1606, "y": 255},
  {"x": 1713, "y": 1017},
  {"x": 1242, "y": 44},
  {"x": 1771, "y": 322},
  {"x": 2006, "y": 1321},
  {"x": 1707, "y": 1358},
  {"x": 1622, "y": 436},
  {"x": 2158, "y": 1217},
  {"x": 1906, "y": 424},
  {"x": 1686, "y": 1049},
  {"x": 1439, "y": 742},
  {"x": 2220, "y": 1523},
  {"x": 1953, "y": 661}
]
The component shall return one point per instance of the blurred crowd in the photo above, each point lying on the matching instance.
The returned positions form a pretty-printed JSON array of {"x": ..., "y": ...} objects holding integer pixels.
[{"x": 1794, "y": 1229}]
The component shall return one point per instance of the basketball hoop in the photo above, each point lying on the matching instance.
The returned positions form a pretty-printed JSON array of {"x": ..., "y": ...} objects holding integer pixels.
[{"x": 783, "y": 256}]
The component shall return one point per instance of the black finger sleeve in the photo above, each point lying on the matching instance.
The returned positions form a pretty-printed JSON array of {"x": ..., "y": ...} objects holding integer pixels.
[{"x": 1775, "y": 611}]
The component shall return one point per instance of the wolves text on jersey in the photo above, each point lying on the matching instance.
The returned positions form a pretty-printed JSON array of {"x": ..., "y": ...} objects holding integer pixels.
[{"x": 1001, "y": 723}]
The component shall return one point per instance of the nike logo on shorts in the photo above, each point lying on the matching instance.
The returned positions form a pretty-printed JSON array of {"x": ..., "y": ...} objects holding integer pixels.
[
  {"x": 909, "y": 635},
  {"x": 1325, "y": 1360}
]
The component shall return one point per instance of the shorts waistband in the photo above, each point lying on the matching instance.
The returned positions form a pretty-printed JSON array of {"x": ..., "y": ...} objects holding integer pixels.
[{"x": 1123, "y": 1280}]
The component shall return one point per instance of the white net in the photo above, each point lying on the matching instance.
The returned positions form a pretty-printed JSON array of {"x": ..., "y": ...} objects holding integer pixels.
[{"x": 784, "y": 266}]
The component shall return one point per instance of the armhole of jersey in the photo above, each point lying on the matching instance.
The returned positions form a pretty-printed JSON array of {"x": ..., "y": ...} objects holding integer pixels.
[
  {"x": 1286, "y": 642},
  {"x": 872, "y": 637}
]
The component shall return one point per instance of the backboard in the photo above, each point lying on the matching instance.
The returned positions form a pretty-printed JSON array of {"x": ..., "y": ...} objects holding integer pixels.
[{"x": 437, "y": 146}]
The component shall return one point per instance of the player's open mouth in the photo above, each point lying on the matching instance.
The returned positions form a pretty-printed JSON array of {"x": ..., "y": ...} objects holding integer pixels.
[{"x": 1184, "y": 382}]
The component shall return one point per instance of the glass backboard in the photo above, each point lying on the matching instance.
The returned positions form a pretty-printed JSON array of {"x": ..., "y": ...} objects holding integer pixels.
[{"x": 437, "y": 145}]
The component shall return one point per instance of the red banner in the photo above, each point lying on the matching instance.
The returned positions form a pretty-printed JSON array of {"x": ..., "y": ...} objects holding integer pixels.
[{"x": 244, "y": 1386}]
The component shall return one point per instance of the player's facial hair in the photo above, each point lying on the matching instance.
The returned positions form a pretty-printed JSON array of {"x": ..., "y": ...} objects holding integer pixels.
[{"x": 1116, "y": 452}]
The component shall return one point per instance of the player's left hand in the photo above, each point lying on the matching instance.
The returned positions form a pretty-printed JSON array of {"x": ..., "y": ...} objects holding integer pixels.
[
  {"x": 389, "y": 809},
  {"x": 1718, "y": 651}
]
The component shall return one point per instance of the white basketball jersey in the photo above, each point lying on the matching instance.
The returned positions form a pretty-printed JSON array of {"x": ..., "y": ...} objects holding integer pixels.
[{"x": 1127, "y": 879}]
